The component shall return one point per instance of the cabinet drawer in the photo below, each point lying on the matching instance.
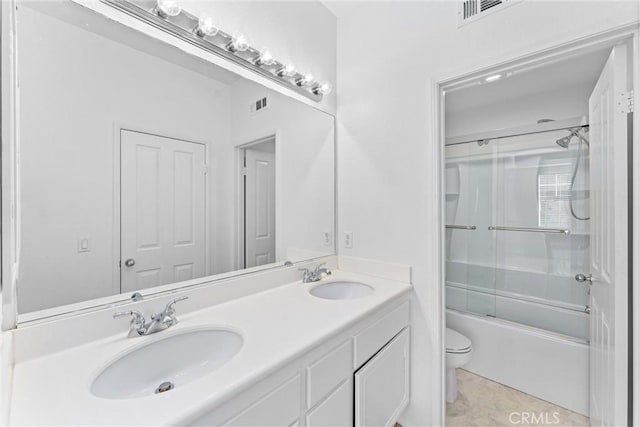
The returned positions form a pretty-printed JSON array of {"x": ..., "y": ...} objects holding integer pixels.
[
  {"x": 329, "y": 371},
  {"x": 373, "y": 338},
  {"x": 336, "y": 410},
  {"x": 281, "y": 407},
  {"x": 382, "y": 385}
]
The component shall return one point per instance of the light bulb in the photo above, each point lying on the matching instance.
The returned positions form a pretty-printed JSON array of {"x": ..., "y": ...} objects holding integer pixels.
[
  {"x": 323, "y": 88},
  {"x": 306, "y": 80},
  {"x": 237, "y": 44},
  {"x": 288, "y": 70},
  {"x": 493, "y": 78},
  {"x": 166, "y": 8},
  {"x": 264, "y": 58},
  {"x": 206, "y": 26}
]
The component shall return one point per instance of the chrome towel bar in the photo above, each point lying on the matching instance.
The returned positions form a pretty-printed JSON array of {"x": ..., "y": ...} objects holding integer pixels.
[
  {"x": 461, "y": 227},
  {"x": 531, "y": 230}
]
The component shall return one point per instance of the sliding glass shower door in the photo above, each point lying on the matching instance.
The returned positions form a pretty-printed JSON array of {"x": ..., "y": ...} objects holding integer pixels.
[
  {"x": 527, "y": 197},
  {"x": 471, "y": 200}
]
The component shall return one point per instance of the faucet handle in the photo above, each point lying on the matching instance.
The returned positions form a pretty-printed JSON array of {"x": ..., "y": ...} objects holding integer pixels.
[
  {"x": 305, "y": 272},
  {"x": 137, "y": 318},
  {"x": 169, "y": 308}
]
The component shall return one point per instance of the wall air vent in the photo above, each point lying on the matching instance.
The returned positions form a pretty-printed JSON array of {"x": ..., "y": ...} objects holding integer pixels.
[
  {"x": 259, "y": 105},
  {"x": 470, "y": 10}
]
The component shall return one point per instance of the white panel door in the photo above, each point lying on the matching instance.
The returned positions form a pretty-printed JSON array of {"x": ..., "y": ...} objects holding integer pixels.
[
  {"x": 162, "y": 210},
  {"x": 260, "y": 207},
  {"x": 382, "y": 385},
  {"x": 609, "y": 240}
]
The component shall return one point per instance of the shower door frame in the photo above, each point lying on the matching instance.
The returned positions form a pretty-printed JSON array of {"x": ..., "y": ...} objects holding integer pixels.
[{"x": 629, "y": 34}]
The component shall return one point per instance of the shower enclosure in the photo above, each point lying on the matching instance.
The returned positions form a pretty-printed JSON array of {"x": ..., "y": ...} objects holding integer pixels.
[{"x": 517, "y": 228}]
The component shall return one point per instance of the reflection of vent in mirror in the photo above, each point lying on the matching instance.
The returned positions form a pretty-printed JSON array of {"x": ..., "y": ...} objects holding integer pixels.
[
  {"x": 259, "y": 105},
  {"x": 553, "y": 196},
  {"x": 470, "y": 10}
]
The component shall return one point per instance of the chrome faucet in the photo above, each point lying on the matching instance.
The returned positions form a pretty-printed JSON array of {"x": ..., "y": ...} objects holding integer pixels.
[
  {"x": 313, "y": 275},
  {"x": 159, "y": 322}
]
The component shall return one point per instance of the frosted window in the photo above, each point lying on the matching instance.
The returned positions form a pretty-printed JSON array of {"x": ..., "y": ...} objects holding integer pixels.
[{"x": 553, "y": 199}]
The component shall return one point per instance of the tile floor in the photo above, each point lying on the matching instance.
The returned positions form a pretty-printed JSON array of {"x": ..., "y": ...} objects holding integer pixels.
[{"x": 482, "y": 402}]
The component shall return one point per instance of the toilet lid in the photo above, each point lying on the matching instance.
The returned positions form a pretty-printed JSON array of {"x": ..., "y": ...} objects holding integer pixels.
[{"x": 456, "y": 342}]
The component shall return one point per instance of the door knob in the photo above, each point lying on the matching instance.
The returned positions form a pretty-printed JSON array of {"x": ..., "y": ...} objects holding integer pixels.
[
  {"x": 582, "y": 278},
  {"x": 131, "y": 262}
]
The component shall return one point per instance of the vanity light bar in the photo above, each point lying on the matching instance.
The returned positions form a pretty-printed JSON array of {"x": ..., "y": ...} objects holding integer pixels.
[{"x": 168, "y": 16}]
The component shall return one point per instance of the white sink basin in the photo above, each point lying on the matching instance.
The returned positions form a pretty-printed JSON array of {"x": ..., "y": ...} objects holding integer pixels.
[
  {"x": 167, "y": 363},
  {"x": 341, "y": 290}
]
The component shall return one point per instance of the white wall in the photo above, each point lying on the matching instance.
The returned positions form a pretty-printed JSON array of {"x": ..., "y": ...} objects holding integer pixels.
[
  {"x": 304, "y": 166},
  {"x": 388, "y": 52},
  {"x": 69, "y": 115}
]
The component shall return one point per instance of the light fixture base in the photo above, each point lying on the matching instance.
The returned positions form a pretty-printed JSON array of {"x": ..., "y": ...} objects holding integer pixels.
[{"x": 183, "y": 30}]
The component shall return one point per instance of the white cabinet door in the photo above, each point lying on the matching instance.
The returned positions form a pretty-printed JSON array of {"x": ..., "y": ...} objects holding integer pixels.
[{"x": 382, "y": 384}]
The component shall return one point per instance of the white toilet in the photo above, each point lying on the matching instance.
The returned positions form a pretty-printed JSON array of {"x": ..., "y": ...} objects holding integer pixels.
[{"x": 458, "y": 353}]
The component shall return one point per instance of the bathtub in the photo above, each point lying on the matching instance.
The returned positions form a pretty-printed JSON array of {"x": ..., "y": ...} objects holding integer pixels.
[{"x": 543, "y": 364}]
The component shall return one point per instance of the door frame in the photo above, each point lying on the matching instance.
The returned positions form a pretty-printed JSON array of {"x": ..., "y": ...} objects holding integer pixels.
[
  {"x": 629, "y": 34},
  {"x": 240, "y": 212},
  {"x": 118, "y": 127}
]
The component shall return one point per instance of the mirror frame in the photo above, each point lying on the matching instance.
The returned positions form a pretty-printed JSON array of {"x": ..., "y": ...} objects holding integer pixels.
[{"x": 10, "y": 149}]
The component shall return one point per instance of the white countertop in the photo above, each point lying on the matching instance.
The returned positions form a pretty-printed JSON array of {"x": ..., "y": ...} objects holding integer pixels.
[{"x": 278, "y": 326}]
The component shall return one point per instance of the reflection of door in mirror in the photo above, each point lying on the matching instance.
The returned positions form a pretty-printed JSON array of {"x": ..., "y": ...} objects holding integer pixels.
[
  {"x": 162, "y": 210},
  {"x": 259, "y": 176}
]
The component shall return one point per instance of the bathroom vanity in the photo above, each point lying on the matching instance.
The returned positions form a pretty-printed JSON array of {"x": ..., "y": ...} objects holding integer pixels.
[{"x": 301, "y": 360}]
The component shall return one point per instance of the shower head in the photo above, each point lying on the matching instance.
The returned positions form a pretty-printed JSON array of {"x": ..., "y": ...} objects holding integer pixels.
[{"x": 564, "y": 142}]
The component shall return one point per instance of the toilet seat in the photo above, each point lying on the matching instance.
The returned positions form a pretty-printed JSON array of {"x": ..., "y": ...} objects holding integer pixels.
[{"x": 456, "y": 343}]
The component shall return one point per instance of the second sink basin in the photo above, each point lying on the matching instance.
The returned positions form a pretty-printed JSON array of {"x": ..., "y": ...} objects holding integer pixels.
[
  {"x": 167, "y": 363},
  {"x": 341, "y": 290}
]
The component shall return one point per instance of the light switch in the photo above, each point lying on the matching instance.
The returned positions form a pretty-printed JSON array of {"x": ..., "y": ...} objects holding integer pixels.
[{"x": 84, "y": 244}]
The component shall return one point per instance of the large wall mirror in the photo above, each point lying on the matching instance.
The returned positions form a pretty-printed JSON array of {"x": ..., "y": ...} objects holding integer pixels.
[{"x": 143, "y": 167}]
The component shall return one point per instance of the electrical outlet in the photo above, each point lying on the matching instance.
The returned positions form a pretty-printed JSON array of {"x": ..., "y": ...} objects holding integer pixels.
[
  {"x": 348, "y": 239},
  {"x": 327, "y": 238}
]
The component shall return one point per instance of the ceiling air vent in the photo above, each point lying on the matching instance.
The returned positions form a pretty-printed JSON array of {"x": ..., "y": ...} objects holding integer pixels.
[{"x": 470, "y": 10}]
